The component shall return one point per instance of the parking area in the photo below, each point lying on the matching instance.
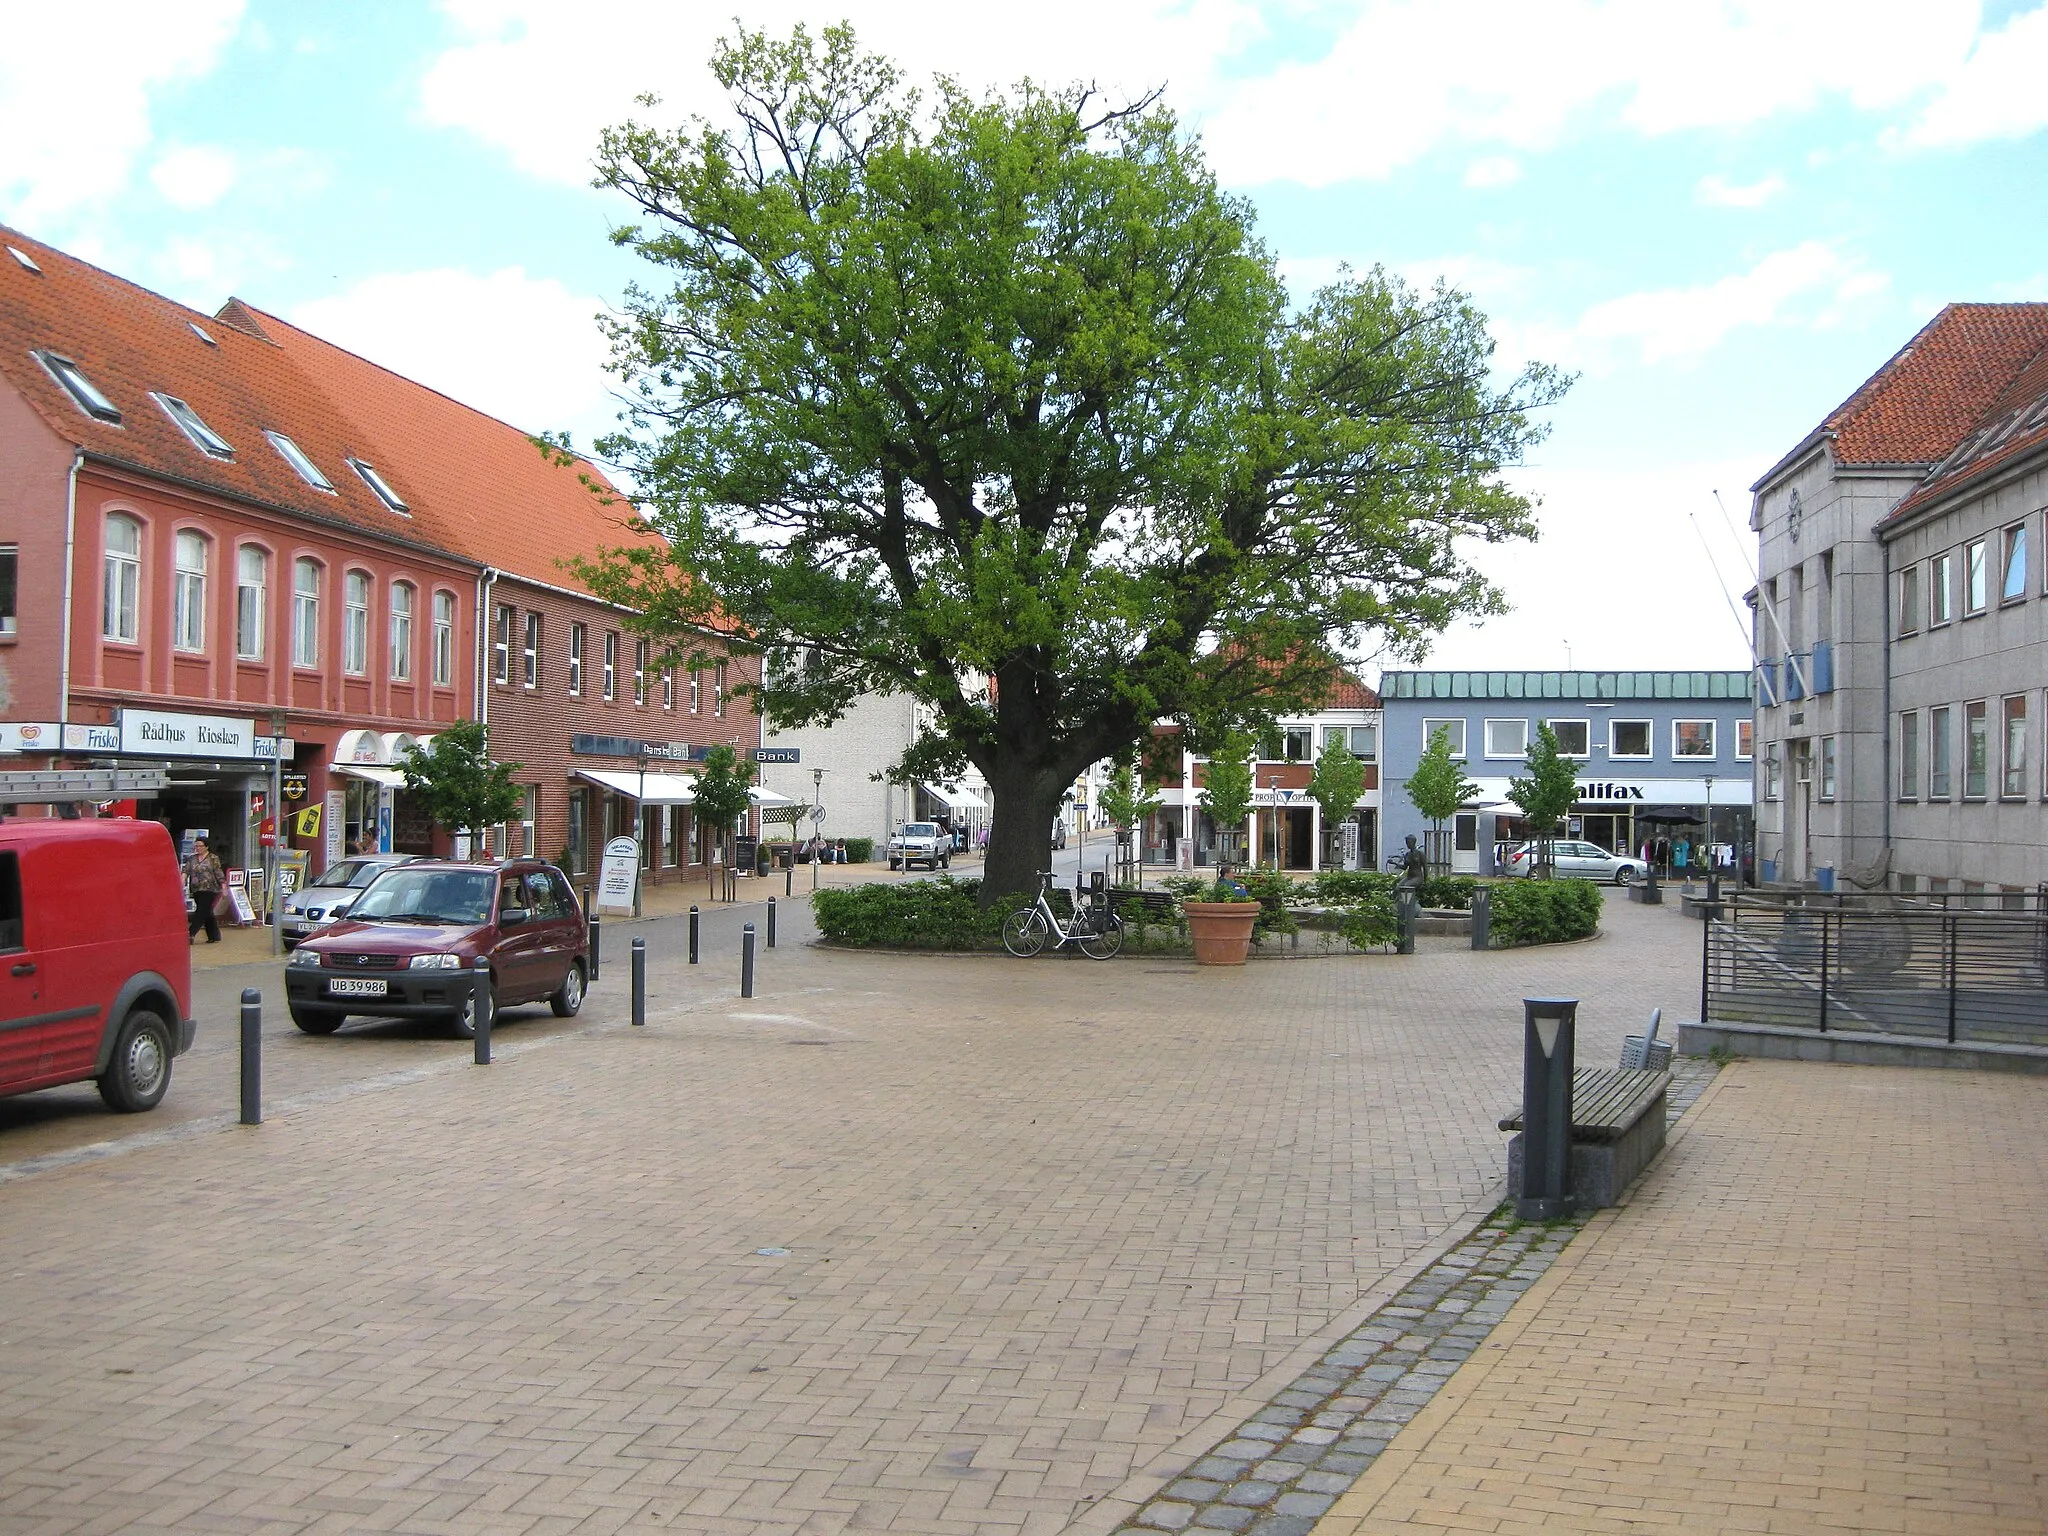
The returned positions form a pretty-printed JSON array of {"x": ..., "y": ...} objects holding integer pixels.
[{"x": 905, "y": 1243}]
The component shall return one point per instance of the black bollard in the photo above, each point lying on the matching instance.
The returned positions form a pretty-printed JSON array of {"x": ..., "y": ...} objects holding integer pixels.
[
  {"x": 480, "y": 1009},
  {"x": 694, "y": 915},
  {"x": 639, "y": 982},
  {"x": 252, "y": 1056},
  {"x": 1549, "y": 1027},
  {"x": 771, "y": 922},
  {"x": 596, "y": 942},
  {"x": 789, "y": 873},
  {"x": 747, "y": 961},
  {"x": 1482, "y": 918}
]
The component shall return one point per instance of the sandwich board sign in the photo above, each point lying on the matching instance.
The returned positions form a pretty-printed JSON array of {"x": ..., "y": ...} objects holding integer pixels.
[{"x": 620, "y": 875}]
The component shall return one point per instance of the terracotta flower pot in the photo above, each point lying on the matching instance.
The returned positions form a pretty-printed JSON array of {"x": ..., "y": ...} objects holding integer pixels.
[{"x": 1222, "y": 930}]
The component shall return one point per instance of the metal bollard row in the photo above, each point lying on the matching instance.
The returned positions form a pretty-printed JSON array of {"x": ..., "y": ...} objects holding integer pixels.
[
  {"x": 480, "y": 1008},
  {"x": 639, "y": 983},
  {"x": 252, "y": 1056}
]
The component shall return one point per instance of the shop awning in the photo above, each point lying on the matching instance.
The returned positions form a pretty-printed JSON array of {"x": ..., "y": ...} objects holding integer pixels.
[
  {"x": 769, "y": 797},
  {"x": 652, "y": 789},
  {"x": 390, "y": 778},
  {"x": 956, "y": 799}
]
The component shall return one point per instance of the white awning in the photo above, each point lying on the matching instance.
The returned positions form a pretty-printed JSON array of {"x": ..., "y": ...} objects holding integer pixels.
[
  {"x": 956, "y": 799},
  {"x": 768, "y": 797},
  {"x": 653, "y": 789},
  {"x": 390, "y": 778}
]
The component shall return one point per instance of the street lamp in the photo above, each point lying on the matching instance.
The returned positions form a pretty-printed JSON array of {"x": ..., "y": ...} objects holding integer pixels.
[
  {"x": 817, "y": 822},
  {"x": 1712, "y": 867}
]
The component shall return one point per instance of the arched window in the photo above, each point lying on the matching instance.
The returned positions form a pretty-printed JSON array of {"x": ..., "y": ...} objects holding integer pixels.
[
  {"x": 306, "y": 613},
  {"x": 188, "y": 593},
  {"x": 401, "y": 631},
  {"x": 252, "y": 601},
  {"x": 355, "y": 624},
  {"x": 118, "y": 619}
]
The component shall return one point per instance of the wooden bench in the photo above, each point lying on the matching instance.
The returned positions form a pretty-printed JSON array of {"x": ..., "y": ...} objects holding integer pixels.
[
  {"x": 1617, "y": 1128},
  {"x": 1159, "y": 906}
]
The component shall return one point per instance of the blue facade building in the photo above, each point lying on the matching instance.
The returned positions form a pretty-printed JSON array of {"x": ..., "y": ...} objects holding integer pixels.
[{"x": 1663, "y": 755}]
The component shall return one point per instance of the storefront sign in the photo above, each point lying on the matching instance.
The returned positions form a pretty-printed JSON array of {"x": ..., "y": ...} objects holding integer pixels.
[
  {"x": 1608, "y": 789},
  {"x": 620, "y": 874},
  {"x": 28, "y": 736},
  {"x": 146, "y": 733},
  {"x": 92, "y": 738},
  {"x": 777, "y": 754},
  {"x": 585, "y": 745},
  {"x": 294, "y": 786}
]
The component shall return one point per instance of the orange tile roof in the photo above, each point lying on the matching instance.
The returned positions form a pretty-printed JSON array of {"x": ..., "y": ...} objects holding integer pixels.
[{"x": 2013, "y": 427}]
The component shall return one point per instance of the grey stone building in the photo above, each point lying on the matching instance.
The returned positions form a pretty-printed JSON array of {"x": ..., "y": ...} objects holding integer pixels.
[{"x": 1899, "y": 629}]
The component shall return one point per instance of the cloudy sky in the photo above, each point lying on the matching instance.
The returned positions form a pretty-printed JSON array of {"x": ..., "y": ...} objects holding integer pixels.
[{"x": 1722, "y": 216}]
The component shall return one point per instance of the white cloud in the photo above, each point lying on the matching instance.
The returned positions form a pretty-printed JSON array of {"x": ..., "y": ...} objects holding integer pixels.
[
  {"x": 73, "y": 140},
  {"x": 195, "y": 176},
  {"x": 1493, "y": 171},
  {"x": 523, "y": 349},
  {"x": 1717, "y": 191},
  {"x": 1994, "y": 94}
]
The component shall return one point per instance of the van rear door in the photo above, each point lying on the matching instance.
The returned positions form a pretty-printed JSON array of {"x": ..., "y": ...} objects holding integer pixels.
[{"x": 21, "y": 986}]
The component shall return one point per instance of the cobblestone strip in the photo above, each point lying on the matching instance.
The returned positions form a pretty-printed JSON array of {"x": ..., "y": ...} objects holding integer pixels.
[{"x": 1283, "y": 1469}]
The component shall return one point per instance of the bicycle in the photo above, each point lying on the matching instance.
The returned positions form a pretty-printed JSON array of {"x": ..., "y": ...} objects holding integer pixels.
[{"x": 1096, "y": 931}]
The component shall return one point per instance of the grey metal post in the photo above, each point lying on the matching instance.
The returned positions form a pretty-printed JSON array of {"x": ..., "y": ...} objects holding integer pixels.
[
  {"x": 1549, "y": 1027},
  {"x": 1949, "y": 920},
  {"x": 1823, "y": 971},
  {"x": 747, "y": 961},
  {"x": 1706, "y": 958},
  {"x": 1482, "y": 918},
  {"x": 771, "y": 922},
  {"x": 480, "y": 1008},
  {"x": 789, "y": 869},
  {"x": 639, "y": 982},
  {"x": 694, "y": 915},
  {"x": 596, "y": 941},
  {"x": 1407, "y": 909},
  {"x": 252, "y": 1056}
]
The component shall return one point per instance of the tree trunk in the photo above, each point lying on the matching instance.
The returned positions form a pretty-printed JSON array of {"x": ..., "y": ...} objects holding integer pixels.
[{"x": 1020, "y": 836}]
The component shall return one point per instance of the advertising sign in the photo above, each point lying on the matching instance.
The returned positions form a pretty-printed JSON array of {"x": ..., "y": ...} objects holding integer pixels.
[
  {"x": 28, "y": 736},
  {"x": 92, "y": 738},
  {"x": 620, "y": 874},
  {"x": 238, "y": 895},
  {"x": 307, "y": 822},
  {"x": 150, "y": 733},
  {"x": 291, "y": 872},
  {"x": 335, "y": 811}
]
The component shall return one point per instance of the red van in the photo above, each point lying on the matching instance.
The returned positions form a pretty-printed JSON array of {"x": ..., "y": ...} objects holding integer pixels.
[{"x": 99, "y": 966}]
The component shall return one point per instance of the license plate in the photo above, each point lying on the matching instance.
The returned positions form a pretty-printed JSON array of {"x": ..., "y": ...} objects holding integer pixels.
[{"x": 341, "y": 987}]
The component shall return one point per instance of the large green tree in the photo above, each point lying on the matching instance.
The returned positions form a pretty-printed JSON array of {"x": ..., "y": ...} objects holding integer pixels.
[{"x": 999, "y": 402}]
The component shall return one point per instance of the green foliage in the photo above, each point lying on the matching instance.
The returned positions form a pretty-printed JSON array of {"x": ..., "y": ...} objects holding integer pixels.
[
  {"x": 1449, "y": 893},
  {"x": 1227, "y": 784},
  {"x": 1369, "y": 920},
  {"x": 1125, "y": 800},
  {"x": 916, "y": 914},
  {"x": 1338, "y": 781},
  {"x": 722, "y": 788},
  {"x": 1438, "y": 785},
  {"x": 1549, "y": 791},
  {"x": 1544, "y": 912},
  {"x": 860, "y": 850},
  {"x": 1339, "y": 887},
  {"x": 454, "y": 778},
  {"x": 1008, "y": 387}
]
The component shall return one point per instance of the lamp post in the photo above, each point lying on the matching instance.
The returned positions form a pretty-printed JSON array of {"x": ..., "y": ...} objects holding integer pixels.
[
  {"x": 817, "y": 822},
  {"x": 1712, "y": 867}
]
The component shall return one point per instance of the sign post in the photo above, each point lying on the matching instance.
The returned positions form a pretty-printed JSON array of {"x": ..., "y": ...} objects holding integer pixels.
[{"x": 618, "y": 883}]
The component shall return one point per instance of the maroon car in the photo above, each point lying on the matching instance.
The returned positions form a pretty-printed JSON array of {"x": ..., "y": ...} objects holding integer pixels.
[{"x": 409, "y": 946}]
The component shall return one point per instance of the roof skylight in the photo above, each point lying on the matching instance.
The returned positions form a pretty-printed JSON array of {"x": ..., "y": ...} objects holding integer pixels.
[
  {"x": 81, "y": 389},
  {"x": 297, "y": 457},
  {"x": 23, "y": 257},
  {"x": 208, "y": 441},
  {"x": 200, "y": 332},
  {"x": 376, "y": 483}
]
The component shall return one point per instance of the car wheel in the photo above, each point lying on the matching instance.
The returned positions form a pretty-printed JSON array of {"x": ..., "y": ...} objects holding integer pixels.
[
  {"x": 569, "y": 995},
  {"x": 1626, "y": 875},
  {"x": 946, "y": 862},
  {"x": 317, "y": 1021},
  {"x": 463, "y": 1021},
  {"x": 140, "y": 1070}
]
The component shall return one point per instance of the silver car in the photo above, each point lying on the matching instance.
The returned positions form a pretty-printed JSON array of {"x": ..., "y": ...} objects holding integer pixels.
[
  {"x": 1581, "y": 860},
  {"x": 327, "y": 899}
]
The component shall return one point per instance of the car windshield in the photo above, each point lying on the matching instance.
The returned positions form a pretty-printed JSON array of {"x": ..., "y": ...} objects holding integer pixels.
[
  {"x": 405, "y": 894},
  {"x": 920, "y": 829},
  {"x": 348, "y": 872}
]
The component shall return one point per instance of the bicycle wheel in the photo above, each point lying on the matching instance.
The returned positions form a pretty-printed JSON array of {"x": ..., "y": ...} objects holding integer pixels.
[
  {"x": 1024, "y": 933},
  {"x": 1103, "y": 943}
]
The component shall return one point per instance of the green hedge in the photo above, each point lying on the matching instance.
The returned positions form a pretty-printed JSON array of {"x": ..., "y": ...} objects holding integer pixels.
[
  {"x": 1544, "y": 911},
  {"x": 860, "y": 850},
  {"x": 915, "y": 914}
]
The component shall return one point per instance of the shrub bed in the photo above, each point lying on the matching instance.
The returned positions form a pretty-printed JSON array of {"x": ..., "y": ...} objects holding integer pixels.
[
  {"x": 915, "y": 914},
  {"x": 860, "y": 850},
  {"x": 1544, "y": 912}
]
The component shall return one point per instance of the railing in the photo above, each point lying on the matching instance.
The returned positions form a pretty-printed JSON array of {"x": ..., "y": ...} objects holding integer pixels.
[{"x": 1881, "y": 965}]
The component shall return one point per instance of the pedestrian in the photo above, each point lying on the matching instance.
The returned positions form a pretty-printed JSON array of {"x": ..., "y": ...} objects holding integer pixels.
[{"x": 203, "y": 881}]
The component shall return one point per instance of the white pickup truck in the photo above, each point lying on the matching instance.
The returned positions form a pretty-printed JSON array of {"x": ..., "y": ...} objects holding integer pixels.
[{"x": 921, "y": 842}]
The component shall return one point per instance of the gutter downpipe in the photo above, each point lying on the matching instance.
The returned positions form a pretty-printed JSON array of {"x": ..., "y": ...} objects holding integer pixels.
[
  {"x": 70, "y": 585},
  {"x": 1888, "y": 788},
  {"x": 485, "y": 579}
]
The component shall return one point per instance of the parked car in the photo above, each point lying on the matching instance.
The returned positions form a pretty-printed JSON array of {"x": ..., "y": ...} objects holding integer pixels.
[
  {"x": 327, "y": 899},
  {"x": 409, "y": 945},
  {"x": 921, "y": 842},
  {"x": 1585, "y": 861},
  {"x": 98, "y": 956}
]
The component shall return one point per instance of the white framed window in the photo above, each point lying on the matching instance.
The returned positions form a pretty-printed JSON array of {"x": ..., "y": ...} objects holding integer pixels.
[
  {"x": 1771, "y": 770},
  {"x": 1574, "y": 737},
  {"x": 10, "y": 557},
  {"x": 1453, "y": 731},
  {"x": 718, "y": 691},
  {"x": 1628, "y": 738},
  {"x": 1692, "y": 738},
  {"x": 305, "y": 613},
  {"x": 576, "y": 633},
  {"x": 501, "y": 643},
  {"x": 1909, "y": 755},
  {"x": 668, "y": 690},
  {"x": 1365, "y": 743},
  {"x": 1745, "y": 740},
  {"x": 119, "y": 619},
  {"x": 188, "y": 592},
  {"x": 402, "y": 597},
  {"x": 1827, "y": 767},
  {"x": 252, "y": 601},
  {"x": 1297, "y": 744},
  {"x": 1976, "y": 749},
  {"x": 696, "y": 691},
  {"x": 444, "y": 639},
  {"x": 2012, "y": 781},
  {"x": 1973, "y": 577},
  {"x": 529, "y": 652},
  {"x": 1507, "y": 738},
  {"x": 1941, "y": 746},
  {"x": 204, "y": 438},
  {"x": 379, "y": 487},
  {"x": 300, "y": 461},
  {"x": 83, "y": 392},
  {"x": 355, "y": 623},
  {"x": 640, "y": 673},
  {"x": 611, "y": 664},
  {"x": 1941, "y": 588},
  {"x": 529, "y": 820},
  {"x": 2014, "y": 586},
  {"x": 1909, "y": 600}
]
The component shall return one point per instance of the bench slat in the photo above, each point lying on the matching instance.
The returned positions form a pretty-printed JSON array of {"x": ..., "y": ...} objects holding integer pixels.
[{"x": 1606, "y": 1101}]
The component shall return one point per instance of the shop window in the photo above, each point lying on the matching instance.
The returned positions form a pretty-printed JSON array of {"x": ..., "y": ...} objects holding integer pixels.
[
  {"x": 1941, "y": 588},
  {"x": 306, "y": 613},
  {"x": 529, "y": 655},
  {"x": 611, "y": 664},
  {"x": 1574, "y": 737},
  {"x": 1745, "y": 740},
  {"x": 252, "y": 601},
  {"x": 9, "y": 555},
  {"x": 444, "y": 639},
  {"x": 355, "y": 623},
  {"x": 123, "y": 568},
  {"x": 402, "y": 593},
  {"x": 501, "y": 643},
  {"x": 1628, "y": 738},
  {"x": 1940, "y": 752},
  {"x": 1692, "y": 738},
  {"x": 1827, "y": 767},
  {"x": 2012, "y": 782},
  {"x": 188, "y": 593},
  {"x": 1909, "y": 600},
  {"x": 576, "y": 636},
  {"x": 1973, "y": 577},
  {"x": 1976, "y": 749},
  {"x": 1909, "y": 755},
  {"x": 2015, "y": 585},
  {"x": 640, "y": 673},
  {"x": 1453, "y": 732},
  {"x": 1507, "y": 738}
]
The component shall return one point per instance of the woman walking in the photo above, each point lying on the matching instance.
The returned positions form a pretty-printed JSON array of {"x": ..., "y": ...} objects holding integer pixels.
[{"x": 203, "y": 880}]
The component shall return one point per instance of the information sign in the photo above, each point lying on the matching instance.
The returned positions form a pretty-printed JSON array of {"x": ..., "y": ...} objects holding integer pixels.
[
  {"x": 238, "y": 896},
  {"x": 619, "y": 875}
]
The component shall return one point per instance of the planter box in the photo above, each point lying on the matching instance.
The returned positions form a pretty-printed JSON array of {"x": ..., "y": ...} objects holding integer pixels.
[{"x": 1221, "y": 930}]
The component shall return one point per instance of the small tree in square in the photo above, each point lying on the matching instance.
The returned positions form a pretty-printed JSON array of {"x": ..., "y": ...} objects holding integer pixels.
[
  {"x": 723, "y": 793},
  {"x": 1545, "y": 795},
  {"x": 461, "y": 788},
  {"x": 1227, "y": 788},
  {"x": 1338, "y": 780},
  {"x": 1437, "y": 788}
]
